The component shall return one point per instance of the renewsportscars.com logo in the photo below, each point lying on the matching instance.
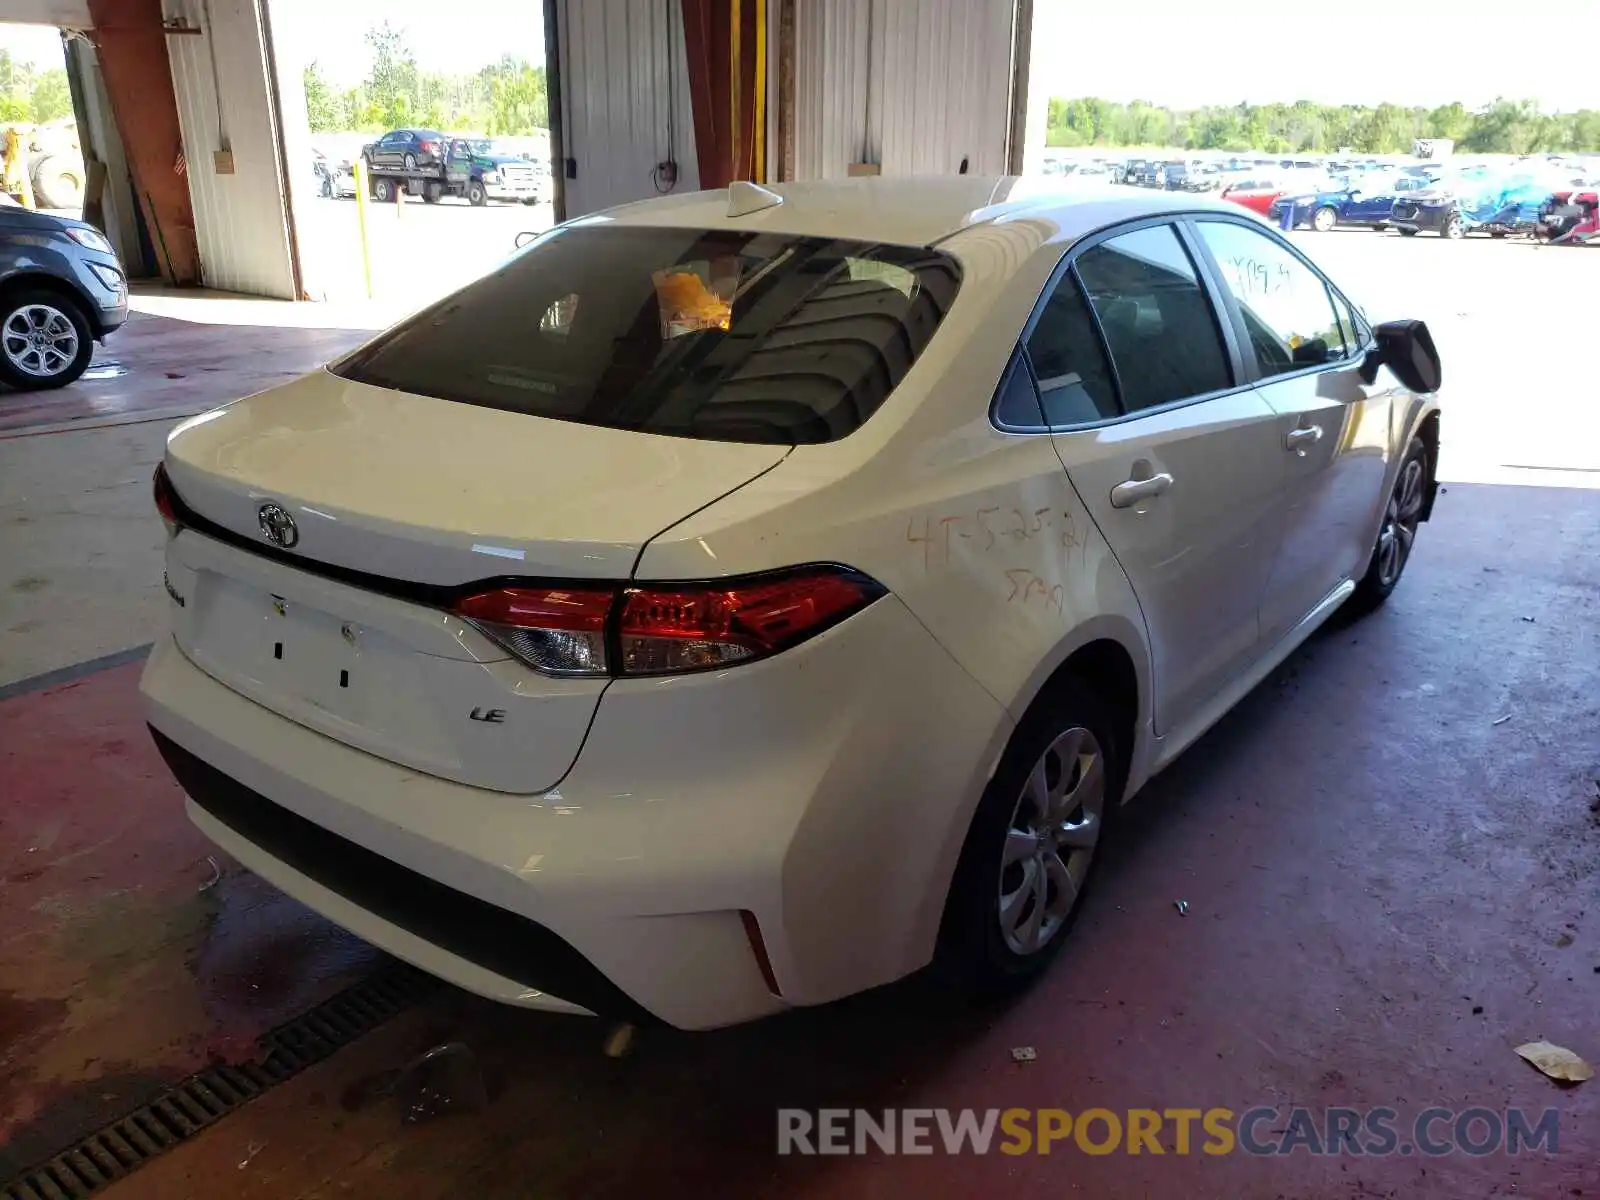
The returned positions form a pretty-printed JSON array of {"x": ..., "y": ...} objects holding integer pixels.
[{"x": 1371, "y": 1132}]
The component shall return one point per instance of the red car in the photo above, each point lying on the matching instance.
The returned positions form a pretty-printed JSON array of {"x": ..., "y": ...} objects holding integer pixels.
[
  {"x": 1571, "y": 216},
  {"x": 1255, "y": 194}
]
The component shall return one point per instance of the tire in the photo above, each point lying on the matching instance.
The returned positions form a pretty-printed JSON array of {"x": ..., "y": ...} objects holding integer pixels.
[
  {"x": 1401, "y": 517},
  {"x": 1324, "y": 219},
  {"x": 431, "y": 193},
  {"x": 383, "y": 191},
  {"x": 1404, "y": 232},
  {"x": 30, "y": 366},
  {"x": 411, "y": 162},
  {"x": 983, "y": 954},
  {"x": 58, "y": 182},
  {"x": 1455, "y": 228},
  {"x": 477, "y": 195}
]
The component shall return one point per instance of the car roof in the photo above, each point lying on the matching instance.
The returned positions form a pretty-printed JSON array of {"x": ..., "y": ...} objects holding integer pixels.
[{"x": 912, "y": 210}]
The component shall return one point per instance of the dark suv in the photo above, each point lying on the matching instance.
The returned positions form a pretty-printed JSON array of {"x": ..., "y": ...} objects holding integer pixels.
[{"x": 61, "y": 290}]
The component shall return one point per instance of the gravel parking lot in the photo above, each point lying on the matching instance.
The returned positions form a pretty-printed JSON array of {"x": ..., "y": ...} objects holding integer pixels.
[
  {"x": 1511, "y": 319},
  {"x": 418, "y": 251}
]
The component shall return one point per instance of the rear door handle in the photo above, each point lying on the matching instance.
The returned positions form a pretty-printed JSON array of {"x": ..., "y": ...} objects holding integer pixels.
[
  {"x": 1298, "y": 439},
  {"x": 1131, "y": 491}
]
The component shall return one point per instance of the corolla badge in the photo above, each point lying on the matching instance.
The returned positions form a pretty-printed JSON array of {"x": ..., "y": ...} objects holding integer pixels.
[{"x": 277, "y": 526}]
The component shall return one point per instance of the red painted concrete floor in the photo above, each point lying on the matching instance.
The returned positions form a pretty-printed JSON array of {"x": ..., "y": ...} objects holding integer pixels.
[
  {"x": 128, "y": 957},
  {"x": 1367, "y": 858},
  {"x": 175, "y": 366}
]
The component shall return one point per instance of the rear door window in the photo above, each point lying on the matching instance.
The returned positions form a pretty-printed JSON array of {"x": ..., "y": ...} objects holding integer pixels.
[
  {"x": 715, "y": 334},
  {"x": 1158, "y": 323}
]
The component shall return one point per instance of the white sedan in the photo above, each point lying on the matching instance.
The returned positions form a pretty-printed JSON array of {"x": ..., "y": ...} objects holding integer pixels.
[{"x": 742, "y": 599}]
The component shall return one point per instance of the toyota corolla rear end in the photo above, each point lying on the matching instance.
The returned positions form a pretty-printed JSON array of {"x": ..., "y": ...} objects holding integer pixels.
[{"x": 415, "y": 680}]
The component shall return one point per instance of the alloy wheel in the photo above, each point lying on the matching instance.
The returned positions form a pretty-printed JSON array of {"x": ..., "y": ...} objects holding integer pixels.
[
  {"x": 39, "y": 340},
  {"x": 1051, "y": 840},
  {"x": 1400, "y": 521}
]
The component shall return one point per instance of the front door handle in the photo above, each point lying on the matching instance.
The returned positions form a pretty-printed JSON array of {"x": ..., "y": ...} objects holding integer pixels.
[
  {"x": 1131, "y": 491},
  {"x": 1298, "y": 439}
]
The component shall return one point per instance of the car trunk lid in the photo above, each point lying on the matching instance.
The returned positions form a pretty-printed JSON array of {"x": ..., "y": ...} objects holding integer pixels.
[{"x": 399, "y": 504}]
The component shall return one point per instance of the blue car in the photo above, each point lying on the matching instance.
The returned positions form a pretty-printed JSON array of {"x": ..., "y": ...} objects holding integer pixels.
[
  {"x": 1499, "y": 206},
  {"x": 1364, "y": 202}
]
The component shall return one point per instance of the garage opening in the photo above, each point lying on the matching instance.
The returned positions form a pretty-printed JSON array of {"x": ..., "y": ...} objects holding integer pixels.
[{"x": 441, "y": 123}]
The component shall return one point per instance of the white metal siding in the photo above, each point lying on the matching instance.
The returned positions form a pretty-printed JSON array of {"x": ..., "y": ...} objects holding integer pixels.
[
  {"x": 72, "y": 14},
  {"x": 240, "y": 220},
  {"x": 912, "y": 85},
  {"x": 624, "y": 79}
]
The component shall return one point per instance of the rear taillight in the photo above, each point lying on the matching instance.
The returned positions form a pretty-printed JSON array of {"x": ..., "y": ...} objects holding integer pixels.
[
  {"x": 430, "y": 147},
  {"x": 166, "y": 502},
  {"x": 557, "y": 631},
  {"x": 667, "y": 628}
]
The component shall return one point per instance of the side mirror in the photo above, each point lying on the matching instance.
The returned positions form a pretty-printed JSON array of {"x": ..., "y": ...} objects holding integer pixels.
[
  {"x": 1407, "y": 349},
  {"x": 523, "y": 238}
]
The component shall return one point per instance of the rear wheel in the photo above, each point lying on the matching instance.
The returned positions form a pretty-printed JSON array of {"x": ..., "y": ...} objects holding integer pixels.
[
  {"x": 1324, "y": 219},
  {"x": 45, "y": 340},
  {"x": 1026, "y": 861},
  {"x": 411, "y": 162},
  {"x": 382, "y": 191},
  {"x": 1401, "y": 517}
]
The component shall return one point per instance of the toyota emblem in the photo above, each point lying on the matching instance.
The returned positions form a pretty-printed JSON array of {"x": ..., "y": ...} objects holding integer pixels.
[{"x": 277, "y": 526}]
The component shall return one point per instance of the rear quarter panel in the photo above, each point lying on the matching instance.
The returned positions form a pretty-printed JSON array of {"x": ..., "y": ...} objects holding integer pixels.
[{"x": 978, "y": 532}]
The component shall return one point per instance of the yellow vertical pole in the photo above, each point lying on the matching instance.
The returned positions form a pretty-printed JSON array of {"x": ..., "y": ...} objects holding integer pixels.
[
  {"x": 758, "y": 126},
  {"x": 361, "y": 220}
]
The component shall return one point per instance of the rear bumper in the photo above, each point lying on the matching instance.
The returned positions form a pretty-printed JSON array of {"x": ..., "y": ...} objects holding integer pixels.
[{"x": 819, "y": 791}]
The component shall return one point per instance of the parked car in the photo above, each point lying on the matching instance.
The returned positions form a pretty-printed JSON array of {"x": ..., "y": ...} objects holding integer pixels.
[
  {"x": 646, "y": 633},
  {"x": 1571, "y": 216},
  {"x": 1253, "y": 193},
  {"x": 1479, "y": 202},
  {"x": 335, "y": 178},
  {"x": 62, "y": 289},
  {"x": 1365, "y": 201},
  {"x": 407, "y": 150},
  {"x": 506, "y": 175}
]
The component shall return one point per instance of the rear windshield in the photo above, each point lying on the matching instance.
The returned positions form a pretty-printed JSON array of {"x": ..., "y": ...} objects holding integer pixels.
[{"x": 711, "y": 334}]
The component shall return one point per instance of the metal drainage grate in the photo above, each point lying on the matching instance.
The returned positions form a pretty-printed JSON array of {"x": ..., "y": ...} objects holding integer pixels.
[{"x": 183, "y": 1110}]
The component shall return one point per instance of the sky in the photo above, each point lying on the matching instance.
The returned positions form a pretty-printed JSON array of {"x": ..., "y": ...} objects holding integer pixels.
[
  {"x": 1224, "y": 52},
  {"x": 1188, "y": 54}
]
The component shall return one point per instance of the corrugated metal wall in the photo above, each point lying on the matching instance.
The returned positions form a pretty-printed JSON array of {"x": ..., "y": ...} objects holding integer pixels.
[
  {"x": 625, "y": 92},
  {"x": 240, "y": 219},
  {"x": 912, "y": 85},
  {"x": 73, "y": 14}
]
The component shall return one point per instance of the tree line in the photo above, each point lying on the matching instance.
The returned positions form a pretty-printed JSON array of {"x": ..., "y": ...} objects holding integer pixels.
[
  {"x": 28, "y": 94},
  {"x": 506, "y": 97},
  {"x": 1504, "y": 127}
]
